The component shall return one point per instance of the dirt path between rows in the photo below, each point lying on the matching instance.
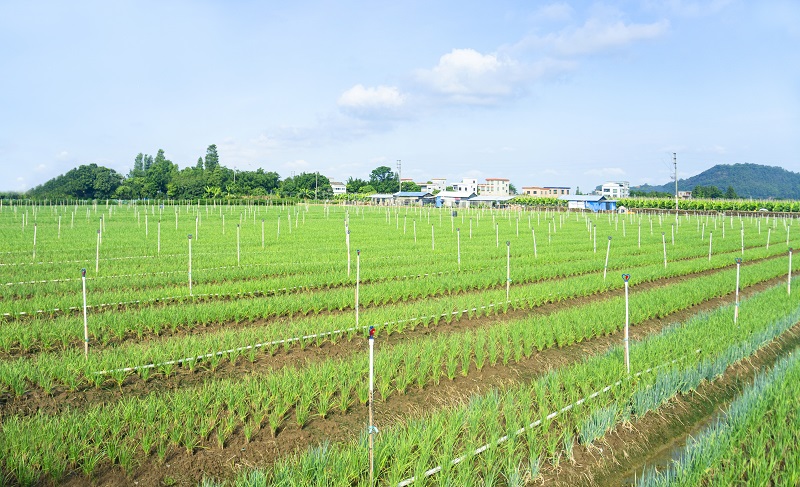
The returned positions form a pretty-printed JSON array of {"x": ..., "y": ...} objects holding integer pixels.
[
  {"x": 622, "y": 454},
  {"x": 35, "y": 399},
  {"x": 111, "y": 340},
  {"x": 181, "y": 468}
]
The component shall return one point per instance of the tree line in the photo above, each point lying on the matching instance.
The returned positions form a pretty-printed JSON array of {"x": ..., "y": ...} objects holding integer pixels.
[{"x": 157, "y": 177}]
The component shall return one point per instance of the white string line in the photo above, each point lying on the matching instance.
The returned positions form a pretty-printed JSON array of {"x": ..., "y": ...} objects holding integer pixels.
[
  {"x": 269, "y": 292},
  {"x": 117, "y": 276},
  {"x": 538, "y": 422},
  {"x": 295, "y": 339},
  {"x": 253, "y": 293}
]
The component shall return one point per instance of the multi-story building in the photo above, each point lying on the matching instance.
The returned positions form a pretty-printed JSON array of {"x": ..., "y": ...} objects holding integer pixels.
[
  {"x": 437, "y": 184},
  {"x": 468, "y": 185},
  {"x": 545, "y": 191},
  {"x": 495, "y": 187},
  {"x": 616, "y": 189}
]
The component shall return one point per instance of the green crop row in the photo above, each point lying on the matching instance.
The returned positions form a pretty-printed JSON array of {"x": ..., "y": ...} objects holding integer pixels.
[
  {"x": 506, "y": 436},
  {"x": 754, "y": 442},
  {"x": 210, "y": 413}
]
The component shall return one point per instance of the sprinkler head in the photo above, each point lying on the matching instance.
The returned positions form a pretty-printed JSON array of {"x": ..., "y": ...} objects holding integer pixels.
[
  {"x": 83, "y": 272},
  {"x": 371, "y": 332},
  {"x": 626, "y": 277},
  {"x": 738, "y": 260}
]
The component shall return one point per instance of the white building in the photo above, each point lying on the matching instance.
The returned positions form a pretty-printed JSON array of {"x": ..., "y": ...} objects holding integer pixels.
[
  {"x": 467, "y": 185},
  {"x": 616, "y": 189},
  {"x": 338, "y": 188},
  {"x": 437, "y": 184},
  {"x": 545, "y": 191},
  {"x": 455, "y": 198},
  {"x": 495, "y": 187}
]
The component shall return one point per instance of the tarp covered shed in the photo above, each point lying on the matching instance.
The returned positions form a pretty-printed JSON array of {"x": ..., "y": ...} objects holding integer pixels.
[
  {"x": 411, "y": 197},
  {"x": 589, "y": 202}
]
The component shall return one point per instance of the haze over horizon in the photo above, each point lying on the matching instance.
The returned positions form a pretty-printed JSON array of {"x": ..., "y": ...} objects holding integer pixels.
[{"x": 562, "y": 93}]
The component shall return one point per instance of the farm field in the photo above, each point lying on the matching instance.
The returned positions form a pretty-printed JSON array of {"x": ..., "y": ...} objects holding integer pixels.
[{"x": 239, "y": 355}]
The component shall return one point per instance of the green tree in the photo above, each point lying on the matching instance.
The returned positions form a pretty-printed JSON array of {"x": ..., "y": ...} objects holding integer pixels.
[
  {"x": 411, "y": 186},
  {"x": 212, "y": 158},
  {"x": 199, "y": 164},
  {"x": 730, "y": 193},
  {"x": 354, "y": 185},
  {"x": 512, "y": 189},
  {"x": 138, "y": 166},
  {"x": 384, "y": 180}
]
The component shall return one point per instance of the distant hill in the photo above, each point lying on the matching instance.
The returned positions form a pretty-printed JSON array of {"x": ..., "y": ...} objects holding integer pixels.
[{"x": 749, "y": 181}]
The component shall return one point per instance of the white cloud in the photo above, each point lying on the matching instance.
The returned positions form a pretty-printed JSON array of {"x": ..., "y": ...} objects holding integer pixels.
[
  {"x": 694, "y": 8},
  {"x": 605, "y": 172},
  {"x": 554, "y": 12},
  {"x": 469, "y": 76},
  {"x": 596, "y": 36},
  {"x": 296, "y": 164},
  {"x": 368, "y": 102}
]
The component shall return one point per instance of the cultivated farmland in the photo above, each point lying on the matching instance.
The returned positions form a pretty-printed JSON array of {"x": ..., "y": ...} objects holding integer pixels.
[{"x": 227, "y": 345}]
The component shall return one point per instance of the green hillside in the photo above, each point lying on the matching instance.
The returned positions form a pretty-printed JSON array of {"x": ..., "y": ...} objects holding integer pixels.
[{"x": 749, "y": 181}]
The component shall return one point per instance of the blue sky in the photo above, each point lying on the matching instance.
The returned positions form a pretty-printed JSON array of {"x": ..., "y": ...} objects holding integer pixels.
[{"x": 563, "y": 93}]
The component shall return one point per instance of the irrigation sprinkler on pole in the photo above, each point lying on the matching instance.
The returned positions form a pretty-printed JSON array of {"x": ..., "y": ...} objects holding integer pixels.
[
  {"x": 358, "y": 280},
  {"x": 626, "y": 278},
  {"x": 769, "y": 232},
  {"x": 508, "y": 268},
  {"x": 742, "y": 233},
  {"x": 594, "y": 238},
  {"x": 238, "y": 253},
  {"x": 34, "y": 241},
  {"x": 262, "y": 233},
  {"x": 433, "y": 242},
  {"x": 608, "y": 251},
  {"x": 97, "y": 255},
  {"x": 159, "y": 237},
  {"x": 736, "y": 309},
  {"x": 59, "y": 227},
  {"x": 372, "y": 429},
  {"x": 415, "y": 231},
  {"x": 664, "y": 244},
  {"x": 710, "y": 239},
  {"x": 789, "y": 280},
  {"x": 85, "y": 321},
  {"x": 190, "y": 264},
  {"x": 673, "y": 234},
  {"x": 347, "y": 242},
  {"x": 497, "y": 234},
  {"x": 458, "y": 244},
  {"x": 533, "y": 233}
]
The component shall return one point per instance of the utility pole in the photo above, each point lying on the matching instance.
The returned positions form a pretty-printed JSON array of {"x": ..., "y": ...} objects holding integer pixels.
[
  {"x": 675, "y": 163},
  {"x": 400, "y": 174}
]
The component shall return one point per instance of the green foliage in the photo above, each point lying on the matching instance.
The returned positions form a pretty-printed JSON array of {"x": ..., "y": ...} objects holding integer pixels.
[
  {"x": 353, "y": 185},
  {"x": 84, "y": 182},
  {"x": 212, "y": 158},
  {"x": 746, "y": 180},
  {"x": 411, "y": 186},
  {"x": 384, "y": 180}
]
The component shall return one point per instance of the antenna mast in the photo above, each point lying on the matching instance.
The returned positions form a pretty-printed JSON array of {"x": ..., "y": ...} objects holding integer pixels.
[
  {"x": 399, "y": 175},
  {"x": 675, "y": 163}
]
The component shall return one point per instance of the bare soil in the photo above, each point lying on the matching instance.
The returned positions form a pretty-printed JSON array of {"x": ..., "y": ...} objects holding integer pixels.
[{"x": 183, "y": 468}]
